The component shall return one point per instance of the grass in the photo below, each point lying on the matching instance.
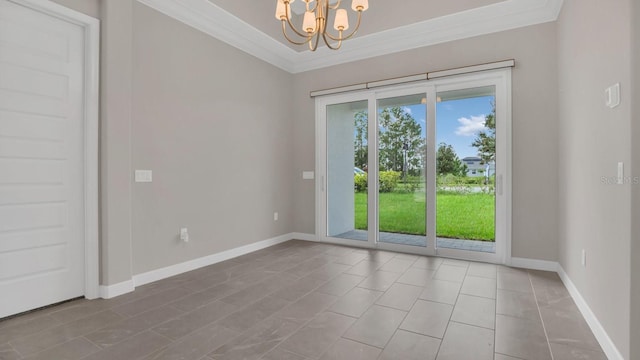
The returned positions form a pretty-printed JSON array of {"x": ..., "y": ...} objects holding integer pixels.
[{"x": 459, "y": 216}]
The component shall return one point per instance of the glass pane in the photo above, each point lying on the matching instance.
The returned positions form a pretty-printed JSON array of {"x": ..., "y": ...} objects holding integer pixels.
[
  {"x": 465, "y": 166},
  {"x": 401, "y": 161},
  {"x": 347, "y": 170}
]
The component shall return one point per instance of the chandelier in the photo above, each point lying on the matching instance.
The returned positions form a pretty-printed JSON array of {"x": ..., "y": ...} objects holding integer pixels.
[{"x": 314, "y": 22}]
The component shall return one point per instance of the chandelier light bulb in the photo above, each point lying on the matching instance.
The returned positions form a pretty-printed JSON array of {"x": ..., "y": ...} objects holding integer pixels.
[
  {"x": 309, "y": 23},
  {"x": 341, "y": 22},
  {"x": 360, "y": 5},
  {"x": 281, "y": 11}
]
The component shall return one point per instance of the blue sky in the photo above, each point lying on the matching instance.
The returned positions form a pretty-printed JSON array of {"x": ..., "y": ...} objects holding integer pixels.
[{"x": 458, "y": 121}]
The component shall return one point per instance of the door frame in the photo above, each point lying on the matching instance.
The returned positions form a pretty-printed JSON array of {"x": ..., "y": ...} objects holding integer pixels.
[
  {"x": 321, "y": 158},
  {"x": 501, "y": 78},
  {"x": 91, "y": 80}
]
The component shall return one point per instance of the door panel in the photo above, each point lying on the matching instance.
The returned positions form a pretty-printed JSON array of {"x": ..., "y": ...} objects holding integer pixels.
[
  {"x": 347, "y": 159},
  {"x": 465, "y": 166},
  {"x": 401, "y": 170},
  {"x": 41, "y": 147}
]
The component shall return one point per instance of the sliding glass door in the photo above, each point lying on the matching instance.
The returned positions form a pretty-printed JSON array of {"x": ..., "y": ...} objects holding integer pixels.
[
  {"x": 402, "y": 151},
  {"x": 420, "y": 168},
  {"x": 346, "y": 173},
  {"x": 466, "y": 169}
]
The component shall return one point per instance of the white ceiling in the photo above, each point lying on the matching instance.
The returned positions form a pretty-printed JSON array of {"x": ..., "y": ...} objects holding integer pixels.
[
  {"x": 381, "y": 15},
  {"x": 388, "y": 26}
]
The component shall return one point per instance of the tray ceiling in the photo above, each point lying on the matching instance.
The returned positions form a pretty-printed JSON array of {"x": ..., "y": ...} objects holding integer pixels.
[{"x": 387, "y": 27}]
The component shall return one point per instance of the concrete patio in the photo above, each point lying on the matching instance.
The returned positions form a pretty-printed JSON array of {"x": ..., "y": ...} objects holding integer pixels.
[{"x": 418, "y": 240}]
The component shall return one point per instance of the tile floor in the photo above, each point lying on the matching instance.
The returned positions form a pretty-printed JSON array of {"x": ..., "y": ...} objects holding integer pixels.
[{"x": 301, "y": 301}]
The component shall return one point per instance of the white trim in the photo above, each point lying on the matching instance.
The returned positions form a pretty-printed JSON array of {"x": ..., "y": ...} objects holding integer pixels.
[
  {"x": 336, "y": 90},
  {"x": 395, "y": 81},
  {"x": 534, "y": 264},
  {"x": 471, "y": 69},
  {"x": 91, "y": 103},
  {"x": 215, "y": 21},
  {"x": 111, "y": 291},
  {"x": 303, "y": 236},
  {"x": 172, "y": 270},
  {"x": 599, "y": 332},
  {"x": 508, "y": 181}
]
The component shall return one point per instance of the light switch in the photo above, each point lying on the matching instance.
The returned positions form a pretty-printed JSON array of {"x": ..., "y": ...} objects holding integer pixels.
[
  {"x": 620, "y": 173},
  {"x": 308, "y": 175},
  {"x": 144, "y": 176},
  {"x": 612, "y": 95}
]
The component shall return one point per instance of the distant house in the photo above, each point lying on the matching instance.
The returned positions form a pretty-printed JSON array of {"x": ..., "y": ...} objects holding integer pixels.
[{"x": 476, "y": 167}]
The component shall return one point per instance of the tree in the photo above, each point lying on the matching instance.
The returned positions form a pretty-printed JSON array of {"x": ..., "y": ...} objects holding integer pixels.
[
  {"x": 360, "y": 140},
  {"x": 485, "y": 141},
  {"x": 448, "y": 162},
  {"x": 401, "y": 142}
]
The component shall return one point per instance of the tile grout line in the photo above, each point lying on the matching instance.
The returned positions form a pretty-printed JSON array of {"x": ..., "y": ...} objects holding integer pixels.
[
  {"x": 544, "y": 328},
  {"x": 466, "y": 270},
  {"x": 495, "y": 317}
]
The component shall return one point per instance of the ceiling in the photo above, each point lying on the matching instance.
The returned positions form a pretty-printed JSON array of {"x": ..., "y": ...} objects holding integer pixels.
[
  {"x": 388, "y": 26},
  {"x": 381, "y": 15}
]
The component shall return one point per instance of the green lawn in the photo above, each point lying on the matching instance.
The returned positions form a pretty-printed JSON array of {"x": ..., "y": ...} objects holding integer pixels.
[{"x": 460, "y": 216}]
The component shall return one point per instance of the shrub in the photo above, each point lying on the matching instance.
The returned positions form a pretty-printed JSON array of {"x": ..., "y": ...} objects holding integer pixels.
[
  {"x": 388, "y": 181},
  {"x": 473, "y": 180},
  {"x": 360, "y": 182},
  {"x": 413, "y": 184}
]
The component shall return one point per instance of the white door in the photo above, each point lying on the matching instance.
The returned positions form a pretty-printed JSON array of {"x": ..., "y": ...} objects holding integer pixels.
[{"x": 41, "y": 159}]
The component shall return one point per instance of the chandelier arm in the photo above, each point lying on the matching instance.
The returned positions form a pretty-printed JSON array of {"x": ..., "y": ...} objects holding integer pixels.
[
  {"x": 337, "y": 5},
  {"x": 312, "y": 46},
  {"x": 355, "y": 30},
  {"x": 332, "y": 47},
  {"x": 315, "y": 7},
  {"x": 284, "y": 32}
]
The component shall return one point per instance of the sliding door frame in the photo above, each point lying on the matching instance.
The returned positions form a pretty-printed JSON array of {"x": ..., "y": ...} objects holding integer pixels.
[
  {"x": 501, "y": 79},
  {"x": 322, "y": 164}
]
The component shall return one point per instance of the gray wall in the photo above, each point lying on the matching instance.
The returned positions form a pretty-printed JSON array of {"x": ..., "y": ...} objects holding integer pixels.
[
  {"x": 116, "y": 91},
  {"x": 214, "y": 125},
  {"x": 535, "y": 145},
  {"x": 89, "y": 7},
  {"x": 635, "y": 190},
  {"x": 595, "y": 214}
]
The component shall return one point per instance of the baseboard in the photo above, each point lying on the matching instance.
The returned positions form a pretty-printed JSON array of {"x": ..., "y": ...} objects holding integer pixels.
[
  {"x": 304, "y": 236},
  {"x": 111, "y": 291},
  {"x": 534, "y": 264},
  {"x": 172, "y": 270},
  {"x": 609, "y": 348}
]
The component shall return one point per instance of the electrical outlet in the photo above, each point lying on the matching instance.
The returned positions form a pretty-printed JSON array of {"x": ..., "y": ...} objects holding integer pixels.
[
  {"x": 584, "y": 258},
  {"x": 275, "y": 216}
]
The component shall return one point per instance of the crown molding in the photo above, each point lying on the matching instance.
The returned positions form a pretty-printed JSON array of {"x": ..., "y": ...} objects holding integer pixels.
[{"x": 217, "y": 22}]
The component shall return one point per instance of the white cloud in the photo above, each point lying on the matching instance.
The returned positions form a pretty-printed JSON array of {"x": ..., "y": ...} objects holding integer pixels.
[
  {"x": 407, "y": 110},
  {"x": 470, "y": 126}
]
